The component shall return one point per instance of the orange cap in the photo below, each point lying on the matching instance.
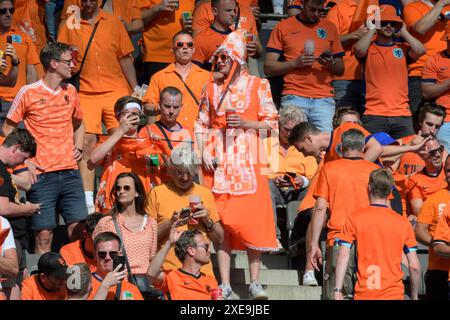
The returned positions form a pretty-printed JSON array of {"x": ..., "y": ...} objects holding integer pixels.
[
  {"x": 446, "y": 36},
  {"x": 388, "y": 13}
]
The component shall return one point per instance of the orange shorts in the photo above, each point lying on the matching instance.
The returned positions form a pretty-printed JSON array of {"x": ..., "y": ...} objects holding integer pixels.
[{"x": 97, "y": 107}]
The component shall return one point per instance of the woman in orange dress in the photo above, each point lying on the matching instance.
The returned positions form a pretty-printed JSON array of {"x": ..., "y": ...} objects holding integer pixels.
[
  {"x": 229, "y": 145},
  {"x": 123, "y": 151}
]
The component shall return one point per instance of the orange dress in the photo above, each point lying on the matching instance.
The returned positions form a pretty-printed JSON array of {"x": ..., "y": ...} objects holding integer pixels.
[
  {"x": 241, "y": 191},
  {"x": 129, "y": 155}
]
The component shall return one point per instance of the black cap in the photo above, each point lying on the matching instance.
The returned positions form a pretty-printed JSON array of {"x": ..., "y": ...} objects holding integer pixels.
[{"x": 52, "y": 264}]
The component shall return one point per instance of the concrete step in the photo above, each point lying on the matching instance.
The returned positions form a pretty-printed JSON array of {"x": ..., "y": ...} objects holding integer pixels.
[
  {"x": 239, "y": 260},
  {"x": 278, "y": 277},
  {"x": 280, "y": 292}
]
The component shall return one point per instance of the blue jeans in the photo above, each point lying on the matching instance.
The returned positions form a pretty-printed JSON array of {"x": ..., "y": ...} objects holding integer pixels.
[
  {"x": 319, "y": 111},
  {"x": 444, "y": 135},
  {"x": 50, "y": 19},
  {"x": 59, "y": 189},
  {"x": 348, "y": 93}
]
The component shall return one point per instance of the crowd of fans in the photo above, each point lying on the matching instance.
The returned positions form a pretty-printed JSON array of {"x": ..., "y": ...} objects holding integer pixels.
[{"x": 197, "y": 150}]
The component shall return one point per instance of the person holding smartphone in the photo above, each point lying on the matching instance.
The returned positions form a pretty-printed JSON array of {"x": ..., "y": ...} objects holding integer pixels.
[{"x": 123, "y": 151}]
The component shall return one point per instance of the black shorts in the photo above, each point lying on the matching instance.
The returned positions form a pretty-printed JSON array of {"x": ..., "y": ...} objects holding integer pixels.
[{"x": 436, "y": 284}]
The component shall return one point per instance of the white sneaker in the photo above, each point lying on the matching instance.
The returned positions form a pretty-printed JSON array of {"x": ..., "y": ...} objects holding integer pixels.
[
  {"x": 256, "y": 291},
  {"x": 227, "y": 292},
  {"x": 309, "y": 279}
]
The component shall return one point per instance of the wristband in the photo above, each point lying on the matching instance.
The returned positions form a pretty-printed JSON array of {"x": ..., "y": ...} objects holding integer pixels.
[{"x": 337, "y": 290}]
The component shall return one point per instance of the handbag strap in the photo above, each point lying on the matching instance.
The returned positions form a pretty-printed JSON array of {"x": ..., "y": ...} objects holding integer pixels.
[
  {"x": 187, "y": 88},
  {"x": 89, "y": 45},
  {"x": 160, "y": 127},
  {"x": 124, "y": 251}
]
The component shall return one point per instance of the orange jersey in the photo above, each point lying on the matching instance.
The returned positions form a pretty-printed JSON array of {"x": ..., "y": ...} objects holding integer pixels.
[
  {"x": 141, "y": 156},
  {"x": 48, "y": 115},
  {"x": 196, "y": 81},
  {"x": 381, "y": 235},
  {"x": 127, "y": 288},
  {"x": 181, "y": 285},
  {"x": 33, "y": 289},
  {"x": 175, "y": 135},
  {"x": 342, "y": 16},
  {"x": 433, "y": 208},
  {"x": 442, "y": 234},
  {"x": 128, "y": 10},
  {"x": 288, "y": 38},
  {"x": 206, "y": 43},
  {"x": 75, "y": 252},
  {"x": 421, "y": 185},
  {"x": 101, "y": 71},
  {"x": 437, "y": 70},
  {"x": 158, "y": 34},
  {"x": 203, "y": 18},
  {"x": 27, "y": 54},
  {"x": 410, "y": 162},
  {"x": 386, "y": 81},
  {"x": 164, "y": 200},
  {"x": 432, "y": 40},
  {"x": 344, "y": 190}
]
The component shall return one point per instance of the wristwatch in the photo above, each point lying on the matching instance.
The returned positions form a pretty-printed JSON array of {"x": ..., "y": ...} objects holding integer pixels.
[{"x": 337, "y": 290}]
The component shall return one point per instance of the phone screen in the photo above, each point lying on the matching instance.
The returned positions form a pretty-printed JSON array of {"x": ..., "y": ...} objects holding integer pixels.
[
  {"x": 185, "y": 212},
  {"x": 119, "y": 260}
]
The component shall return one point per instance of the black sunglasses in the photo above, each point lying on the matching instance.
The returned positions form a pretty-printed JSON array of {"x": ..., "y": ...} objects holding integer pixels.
[
  {"x": 394, "y": 24},
  {"x": 103, "y": 254},
  {"x": 181, "y": 44},
  {"x": 125, "y": 188},
  {"x": 5, "y": 10},
  {"x": 435, "y": 151},
  {"x": 222, "y": 57}
]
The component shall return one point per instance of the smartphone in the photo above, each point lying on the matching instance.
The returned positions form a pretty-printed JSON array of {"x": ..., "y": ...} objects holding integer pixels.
[
  {"x": 119, "y": 260},
  {"x": 185, "y": 213},
  {"x": 143, "y": 120},
  {"x": 9, "y": 39}
]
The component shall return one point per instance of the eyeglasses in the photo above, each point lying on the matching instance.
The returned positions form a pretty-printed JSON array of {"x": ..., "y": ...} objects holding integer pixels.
[
  {"x": 125, "y": 188},
  {"x": 437, "y": 151},
  {"x": 102, "y": 254},
  {"x": 204, "y": 246},
  {"x": 394, "y": 24},
  {"x": 67, "y": 62},
  {"x": 181, "y": 44},
  {"x": 222, "y": 57},
  {"x": 5, "y": 10}
]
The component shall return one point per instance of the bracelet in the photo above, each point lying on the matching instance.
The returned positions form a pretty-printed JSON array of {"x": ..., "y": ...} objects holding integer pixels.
[{"x": 337, "y": 290}]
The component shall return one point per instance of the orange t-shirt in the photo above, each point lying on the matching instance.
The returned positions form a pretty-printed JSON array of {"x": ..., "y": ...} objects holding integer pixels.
[
  {"x": 206, "y": 43},
  {"x": 101, "y": 71},
  {"x": 410, "y": 162},
  {"x": 163, "y": 201},
  {"x": 421, "y": 185},
  {"x": 342, "y": 16},
  {"x": 32, "y": 289},
  {"x": 437, "y": 70},
  {"x": 433, "y": 208},
  {"x": 288, "y": 38},
  {"x": 125, "y": 9},
  {"x": 48, "y": 115},
  {"x": 442, "y": 234},
  {"x": 344, "y": 190},
  {"x": 26, "y": 51},
  {"x": 386, "y": 80},
  {"x": 158, "y": 34},
  {"x": 413, "y": 12},
  {"x": 381, "y": 236},
  {"x": 181, "y": 285},
  {"x": 126, "y": 288},
  {"x": 74, "y": 252},
  {"x": 176, "y": 135},
  {"x": 203, "y": 18},
  {"x": 196, "y": 81}
]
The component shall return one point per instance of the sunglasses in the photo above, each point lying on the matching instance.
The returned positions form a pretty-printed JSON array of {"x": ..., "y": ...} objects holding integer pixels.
[
  {"x": 181, "y": 44},
  {"x": 204, "y": 246},
  {"x": 437, "y": 151},
  {"x": 222, "y": 57},
  {"x": 67, "y": 62},
  {"x": 5, "y": 10},
  {"x": 394, "y": 24},
  {"x": 125, "y": 188},
  {"x": 102, "y": 254}
]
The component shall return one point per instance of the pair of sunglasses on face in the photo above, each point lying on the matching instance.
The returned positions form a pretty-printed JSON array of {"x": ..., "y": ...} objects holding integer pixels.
[
  {"x": 181, "y": 44},
  {"x": 5, "y": 10},
  {"x": 125, "y": 188},
  {"x": 102, "y": 254},
  {"x": 394, "y": 24}
]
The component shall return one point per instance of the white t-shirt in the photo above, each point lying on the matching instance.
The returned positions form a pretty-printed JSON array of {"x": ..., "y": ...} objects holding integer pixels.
[{"x": 9, "y": 241}]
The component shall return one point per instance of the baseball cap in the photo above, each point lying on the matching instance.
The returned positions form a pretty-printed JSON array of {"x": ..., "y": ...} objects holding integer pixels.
[
  {"x": 388, "y": 13},
  {"x": 51, "y": 263},
  {"x": 384, "y": 139}
]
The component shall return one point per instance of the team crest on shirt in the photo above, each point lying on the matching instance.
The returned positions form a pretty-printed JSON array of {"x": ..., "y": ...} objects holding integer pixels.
[
  {"x": 42, "y": 100},
  {"x": 321, "y": 33},
  {"x": 398, "y": 53}
]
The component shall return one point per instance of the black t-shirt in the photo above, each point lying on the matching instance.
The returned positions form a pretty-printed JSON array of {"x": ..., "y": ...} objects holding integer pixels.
[{"x": 19, "y": 225}]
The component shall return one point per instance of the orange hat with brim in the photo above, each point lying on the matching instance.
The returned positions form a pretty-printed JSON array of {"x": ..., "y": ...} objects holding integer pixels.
[
  {"x": 446, "y": 36},
  {"x": 387, "y": 13}
]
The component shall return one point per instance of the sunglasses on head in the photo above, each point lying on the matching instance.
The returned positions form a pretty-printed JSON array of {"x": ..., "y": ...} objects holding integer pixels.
[
  {"x": 394, "y": 24},
  {"x": 222, "y": 57},
  {"x": 103, "y": 254},
  {"x": 125, "y": 188},
  {"x": 3, "y": 11},
  {"x": 181, "y": 44}
]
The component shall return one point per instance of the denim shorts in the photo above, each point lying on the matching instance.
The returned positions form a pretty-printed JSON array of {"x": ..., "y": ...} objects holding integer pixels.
[{"x": 62, "y": 190}]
